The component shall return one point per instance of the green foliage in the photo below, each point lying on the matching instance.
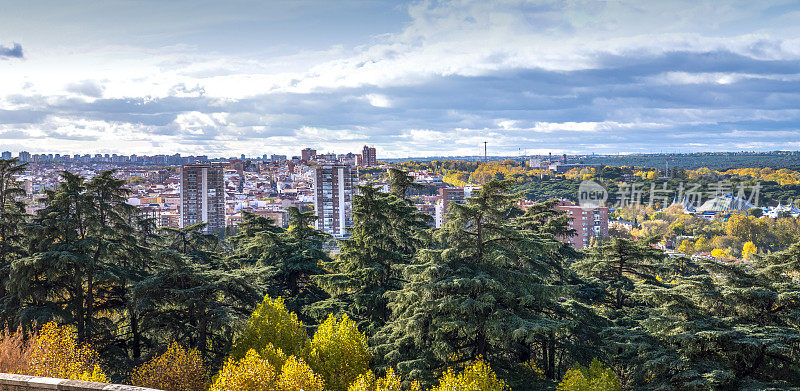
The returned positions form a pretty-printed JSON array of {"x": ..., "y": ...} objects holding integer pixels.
[
  {"x": 594, "y": 378},
  {"x": 384, "y": 236},
  {"x": 485, "y": 288}
]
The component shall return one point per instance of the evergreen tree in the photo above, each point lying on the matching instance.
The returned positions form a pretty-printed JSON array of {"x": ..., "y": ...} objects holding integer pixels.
[
  {"x": 383, "y": 237},
  {"x": 480, "y": 291},
  {"x": 617, "y": 265},
  {"x": 77, "y": 243},
  {"x": 194, "y": 297},
  {"x": 283, "y": 260},
  {"x": 12, "y": 217}
]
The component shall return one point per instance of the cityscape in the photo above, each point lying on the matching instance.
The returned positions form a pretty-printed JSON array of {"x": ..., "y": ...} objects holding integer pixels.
[{"x": 399, "y": 195}]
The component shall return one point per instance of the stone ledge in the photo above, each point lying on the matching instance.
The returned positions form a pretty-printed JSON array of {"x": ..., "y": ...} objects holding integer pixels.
[{"x": 12, "y": 382}]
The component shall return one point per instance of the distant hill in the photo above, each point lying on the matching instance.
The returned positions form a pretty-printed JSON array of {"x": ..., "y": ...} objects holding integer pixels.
[{"x": 689, "y": 161}]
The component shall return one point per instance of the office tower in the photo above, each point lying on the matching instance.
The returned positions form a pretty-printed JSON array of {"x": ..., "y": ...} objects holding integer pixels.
[
  {"x": 368, "y": 157},
  {"x": 24, "y": 156},
  {"x": 6, "y": 155},
  {"x": 203, "y": 195},
  {"x": 308, "y": 154},
  {"x": 334, "y": 187}
]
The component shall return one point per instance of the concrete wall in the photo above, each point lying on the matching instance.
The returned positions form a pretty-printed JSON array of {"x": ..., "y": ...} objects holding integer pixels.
[{"x": 9, "y": 382}]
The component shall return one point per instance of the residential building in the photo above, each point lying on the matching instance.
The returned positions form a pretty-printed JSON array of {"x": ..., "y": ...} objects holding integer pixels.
[
  {"x": 368, "y": 157},
  {"x": 203, "y": 195},
  {"x": 447, "y": 196},
  {"x": 7, "y": 155},
  {"x": 24, "y": 156},
  {"x": 334, "y": 187},
  {"x": 308, "y": 154},
  {"x": 588, "y": 223}
]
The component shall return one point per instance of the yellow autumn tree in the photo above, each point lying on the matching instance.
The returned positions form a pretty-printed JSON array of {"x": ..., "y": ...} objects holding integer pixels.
[
  {"x": 273, "y": 332},
  {"x": 748, "y": 250},
  {"x": 251, "y": 373},
  {"x": 701, "y": 244},
  {"x": 339, "y": 352},
  {"x": 390, "y": 382},
  {"x": 56, "y": 353},
  {"x": 686, "y": 247},
  {"x": 597, "y": 377},
  {"x": 477, "y": 377},
  {"x": 719, "y": 253},
  {"x": 296, "y": 375},
  {"x": 178, "y": 369}
]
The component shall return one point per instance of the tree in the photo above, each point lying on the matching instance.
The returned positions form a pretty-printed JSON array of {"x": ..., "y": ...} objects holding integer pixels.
[
  {"x": 749, "y": 250},
  {"x": 12, "y": 216},
  {"x": 481, "y": 290},
  {"x": 384, "y": 236},
  {"x": 400, "y": 183},
  {"x": 476, "y": 377},
  {"x": 250, "y": 373},
  {"x": 389, "y": 382},
  {"x": 618, "y": 264},
  {"x": 597, "y": 377},
  {"x": 284, "y": 261},
  {"x": 272, "y": 328},
  {"x": 56, "y": 353},
  {"x": 193, "y": 297},
  {"x": 296, "y": 375},
  {"x": 79, "y": 243},
  {"x": 177, "y": 369},
  {"x": 339, "y": 352}
]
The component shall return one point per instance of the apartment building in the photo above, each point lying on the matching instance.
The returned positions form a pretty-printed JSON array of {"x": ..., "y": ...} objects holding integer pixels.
[{"x": 334, "y": 187}]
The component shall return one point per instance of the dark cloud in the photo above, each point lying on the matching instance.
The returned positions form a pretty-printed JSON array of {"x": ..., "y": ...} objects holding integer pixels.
[
  {"x": 11, "y": 52},
  {"x": 90, "y": 88}
]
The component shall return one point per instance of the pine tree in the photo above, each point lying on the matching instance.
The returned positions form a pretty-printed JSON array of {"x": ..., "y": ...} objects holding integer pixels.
[
  {"x": 283, "y": 260},
  {"x": 12, "y": 217},
  {"x": 480, "y": 291},
  {"x": 384, "y": 236},
  {"x": 194, "y": 297},
  {"x": 78, "y": 242},
  {"x": 618, "y": 265}
]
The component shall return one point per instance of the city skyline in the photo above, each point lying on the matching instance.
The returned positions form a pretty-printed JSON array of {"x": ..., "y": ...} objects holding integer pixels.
[{"x": 423, "y": 78}]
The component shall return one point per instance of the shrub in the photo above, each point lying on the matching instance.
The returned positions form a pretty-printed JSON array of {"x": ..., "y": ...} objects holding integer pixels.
[
  {"x": 339, "y": 352},
  {"x": 56, "y": 353},
  {"x": 271, "y": 328},
  {"x": 177, "y": 369},
  {"x": 390, "y": 382},
  {"x": 594, "y": 378},
  {"x": 15, "y": 350},
  {"x": 296, "y": 375},
  {"x": 476, "y": 377},
  {"x": 251, "y": 373}
]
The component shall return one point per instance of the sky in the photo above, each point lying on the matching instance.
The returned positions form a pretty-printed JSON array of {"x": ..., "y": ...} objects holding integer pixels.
[{"x": 419, "y": 78}]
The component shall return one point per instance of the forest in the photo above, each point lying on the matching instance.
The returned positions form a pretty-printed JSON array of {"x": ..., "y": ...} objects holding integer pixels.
[{"x": 492, "y": 300}]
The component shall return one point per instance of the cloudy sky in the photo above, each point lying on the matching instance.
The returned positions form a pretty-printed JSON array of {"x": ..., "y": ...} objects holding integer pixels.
[{"x": 417, "y": 78}]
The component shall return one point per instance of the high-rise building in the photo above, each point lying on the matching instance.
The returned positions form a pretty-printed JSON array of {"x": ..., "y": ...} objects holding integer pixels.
[
  {"x": 24, "y": 156},
  {"x": 334, "y": 187},
  {"x": 368, "y": 157},
  {"x": 203, "y": 195},
  {"x": 308, "y": 154},
  {"x": 7, "y": 155}
]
